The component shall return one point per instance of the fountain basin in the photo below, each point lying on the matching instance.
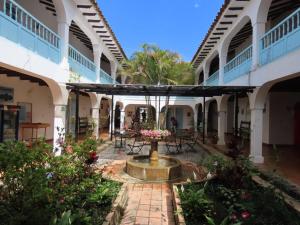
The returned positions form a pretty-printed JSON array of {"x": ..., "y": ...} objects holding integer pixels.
[{"x": 163, "y": 169}]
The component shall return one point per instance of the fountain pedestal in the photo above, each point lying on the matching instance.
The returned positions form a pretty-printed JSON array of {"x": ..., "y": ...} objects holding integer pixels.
[
  {"x": 154, "y": 150},
  {"x": 154, "y": 167}
]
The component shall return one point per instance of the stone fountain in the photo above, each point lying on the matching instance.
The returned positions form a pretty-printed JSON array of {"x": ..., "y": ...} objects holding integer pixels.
[{"x": 154, "y": 167}]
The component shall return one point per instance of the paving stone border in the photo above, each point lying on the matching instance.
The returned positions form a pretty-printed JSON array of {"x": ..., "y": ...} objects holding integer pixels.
[
  {"x": 118, "y": 207},
  {"x": 179, "y": 218}
]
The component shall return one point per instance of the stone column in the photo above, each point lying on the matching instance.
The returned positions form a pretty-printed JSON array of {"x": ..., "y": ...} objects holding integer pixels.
[
  {"x": 59, "y": 127},
  {"x": 256, "y": 135},
  {"x": 195, "y": 118},
  {"x": 112, "y": 116},
  {"x": 95, "y": 118},
  {"x": 221, "y": 127},
  {"x": 63, "y": 32},
  {"x": 205, "y": 72},
  {"x": 258, "y": 32},
  {"x": 97, "y": 60},
  {"x": 222, "y": 63},
  {"x": 114, "y": 68}
]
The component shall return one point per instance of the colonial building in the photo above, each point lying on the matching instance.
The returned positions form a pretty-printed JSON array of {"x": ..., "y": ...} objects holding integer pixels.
[{"x": 254, "y": 43}]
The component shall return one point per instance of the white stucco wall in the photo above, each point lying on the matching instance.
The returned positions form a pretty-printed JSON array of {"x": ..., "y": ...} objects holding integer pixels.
[
  {"x": 282, "y": 117},
  {"x": 39, "y": 96}
]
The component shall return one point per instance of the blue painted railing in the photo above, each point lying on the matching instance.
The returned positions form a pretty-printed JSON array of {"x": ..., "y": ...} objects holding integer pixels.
[
  {"x": 81, "y": 64},
  {"x": 213, "y": 80},
  {"x": 239, "y": 65},
  {"x": 19, "y": 26},
  {"x": 282, "y": 39},
  {"x": 105, "y": 78}
]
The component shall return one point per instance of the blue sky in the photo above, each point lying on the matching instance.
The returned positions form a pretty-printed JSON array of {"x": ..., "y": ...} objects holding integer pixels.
[{"x": 177, "y": 25}]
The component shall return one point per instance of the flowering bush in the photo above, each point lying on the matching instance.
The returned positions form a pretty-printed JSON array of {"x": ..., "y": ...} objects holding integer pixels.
[
  {"x": 230, "y": 197},
  {"x": 38, "y": 188},
  {"x": 155, "y": 134}
]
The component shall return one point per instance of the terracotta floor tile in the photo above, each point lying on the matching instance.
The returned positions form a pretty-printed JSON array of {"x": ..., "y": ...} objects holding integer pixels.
[
  {"x": 155, "y": 208},
  {"x": 142, "y": 213},
  {"x": 144, "y": 207},
  {"x": 145, "y": 201},
  {"x": 156, "y": 202},
  {"x": 154, "y": 221},
  {"x": 155, "y": 214},
  {"x": 141, "y": 221}
]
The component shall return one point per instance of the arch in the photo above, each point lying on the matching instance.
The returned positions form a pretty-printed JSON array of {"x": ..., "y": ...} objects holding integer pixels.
[
  {"x": 207, "y": 65},
  {"x": 261, "y": 15},
  {"x": 227, "y": 41},
  {"x": 63, "y": 15},
  {"x": 105, "y": 64},
  {"x": 212, "y": 116}
]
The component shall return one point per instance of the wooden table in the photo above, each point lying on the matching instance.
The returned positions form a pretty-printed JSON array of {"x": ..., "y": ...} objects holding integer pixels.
[{"x": 33, "y": 126}]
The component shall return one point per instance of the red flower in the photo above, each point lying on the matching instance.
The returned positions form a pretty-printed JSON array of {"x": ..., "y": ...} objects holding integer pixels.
[
  {"x": 245, "y": 215},
  {"x": 93, "y": 155}
]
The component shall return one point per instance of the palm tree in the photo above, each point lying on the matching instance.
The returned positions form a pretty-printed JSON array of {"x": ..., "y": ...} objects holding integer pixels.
[{"x": 154, "y": 66}]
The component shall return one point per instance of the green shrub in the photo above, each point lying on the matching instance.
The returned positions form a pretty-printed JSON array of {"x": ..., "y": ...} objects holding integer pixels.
[
  {"x": 232, "y": 198},
  {"x": 39, "y": 188}
]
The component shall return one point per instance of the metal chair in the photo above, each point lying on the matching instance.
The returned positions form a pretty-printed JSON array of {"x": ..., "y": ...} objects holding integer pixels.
[
  {"x": 172, "y": 143},
  {"x": 135, "y": 143}
]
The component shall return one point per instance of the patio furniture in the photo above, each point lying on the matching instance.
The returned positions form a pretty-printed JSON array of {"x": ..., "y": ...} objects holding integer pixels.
[
  {"x": 135, "y": 143},
  {"x": 172, "y": 143},
  {"x": 34, "y": 127},
  {"x": 244, "y": 130},
  {"x": 192, "y": 140},
  {"x": 120, "y": 137}
]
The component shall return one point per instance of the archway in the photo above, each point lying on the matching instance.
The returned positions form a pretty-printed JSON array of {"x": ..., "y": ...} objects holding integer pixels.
[
  {"x": 118, "y": 119},
  {"x": 199, "y": 117},
  {"x": 139, "y": 113},
  {"x": 104, "y": 118},
  {"x": 212, "y": 119},
  {"x": 85, "y": 115},
  {"x": 183, "y": 114}
]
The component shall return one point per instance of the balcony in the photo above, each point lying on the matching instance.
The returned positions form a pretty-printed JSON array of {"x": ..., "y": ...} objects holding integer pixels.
[
  {"x": 281, "y": 40},
  {"x": 105, "y": 78},
  {"x": 20, "y": 27},
  {"x": 238, "y": 66},
  {"x": 81, "y": 65},
  {"x": 213, "y": 80}
]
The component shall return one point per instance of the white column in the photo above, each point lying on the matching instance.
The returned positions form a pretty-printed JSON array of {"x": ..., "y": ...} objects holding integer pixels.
[
  {"x": 97, "y": 60},
  {"x": 256, "y": 135},
  {"x": 258, "y": 32},
  {"x": 195, "y": 119},
  {"x": 63, "y": 32},
  {"x": 221, "y": 127},
  {"x": 206, "y": 116},
  {"x": 112, "y": 116},
  {"x": 114, "y": 68},
  {"x": 222, "y": 63},
  {"x": 122, "y": 120},
  {"x": 205, "y": 72},
  {"x": 95, "y": 117},
  {"x": 59, "y": 127}
]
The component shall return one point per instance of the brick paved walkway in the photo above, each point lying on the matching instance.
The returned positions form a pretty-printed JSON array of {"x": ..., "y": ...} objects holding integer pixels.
[{"x": 149, "y": 204}]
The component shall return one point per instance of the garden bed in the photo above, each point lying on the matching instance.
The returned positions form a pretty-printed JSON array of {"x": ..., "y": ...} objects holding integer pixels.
[
  {"x": 231, "y": 198},
  {"x": 41, "y": 189}
]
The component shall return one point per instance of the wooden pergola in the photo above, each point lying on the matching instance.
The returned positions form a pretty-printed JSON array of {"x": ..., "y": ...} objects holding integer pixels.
[{"x": 159, "y": 90}]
